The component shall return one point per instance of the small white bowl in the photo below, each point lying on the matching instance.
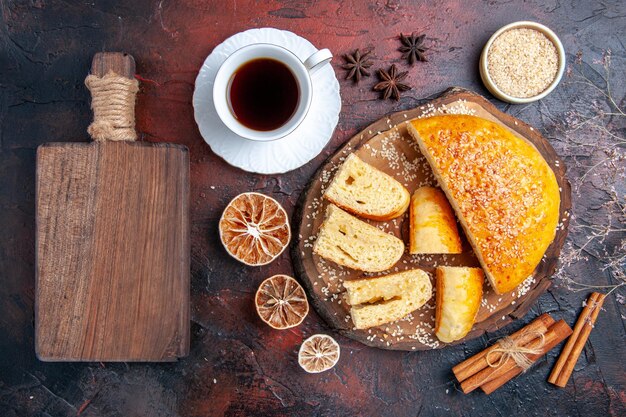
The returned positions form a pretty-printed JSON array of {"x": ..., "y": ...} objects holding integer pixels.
[{"x": 493, "y": 88}]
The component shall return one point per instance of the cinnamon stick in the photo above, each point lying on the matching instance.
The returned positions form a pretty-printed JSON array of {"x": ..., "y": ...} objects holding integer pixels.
[
  {"x": 555, "y": 335},
  {"x": 571, "y": 352},
  {"x": 523, "y": 336}
]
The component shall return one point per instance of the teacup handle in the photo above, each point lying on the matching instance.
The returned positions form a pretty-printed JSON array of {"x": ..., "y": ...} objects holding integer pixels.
[{"x": 318, "y": 60}]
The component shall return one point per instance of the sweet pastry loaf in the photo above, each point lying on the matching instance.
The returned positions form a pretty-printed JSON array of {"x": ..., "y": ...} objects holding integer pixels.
[
  {"x": 351, "y": 242},
  {"x": 380, "y": 300},
  {"x": 433, "y": 226},
  {"x": 504, "y": 194},
  {"x": 458, "y": 297},
  {"x": 366, "y": 191}
]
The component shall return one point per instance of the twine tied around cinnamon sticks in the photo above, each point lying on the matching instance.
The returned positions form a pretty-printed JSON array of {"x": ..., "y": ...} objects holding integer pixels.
[
  {"x": 490, "y": 369},
  {"x": 113, "y": 105},
  {"x": 511, "y": 349},
  {"x": 525, "y": 346}
]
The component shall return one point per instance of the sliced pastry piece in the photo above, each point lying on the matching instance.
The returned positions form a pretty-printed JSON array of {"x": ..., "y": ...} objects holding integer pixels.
[
  {"x": 351, "y": 242},
  {"x": 433, "y": 226},
  {"x": 381, "y": 300},
  {"x": 366, "y": 191},
  {"x": 458, "y": 297},
  {"x": 504, "y": 193}
]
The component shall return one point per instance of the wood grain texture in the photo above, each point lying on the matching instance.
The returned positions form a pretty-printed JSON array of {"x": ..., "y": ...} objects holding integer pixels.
[
  {"x": 118, "y": 62},
  {"x": 112, "y": 252},
  {"x": 112, "y": 247},
  {"x": 323, "y": 279}
]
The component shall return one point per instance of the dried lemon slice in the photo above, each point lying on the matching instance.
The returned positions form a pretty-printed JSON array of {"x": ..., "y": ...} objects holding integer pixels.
[
  {"x": 281, "y": 302},
  {"x": 318, "y": 353},
  {"x": 254, "y": 229}
]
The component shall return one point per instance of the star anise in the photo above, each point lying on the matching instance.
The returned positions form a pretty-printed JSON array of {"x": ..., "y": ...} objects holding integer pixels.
[
  {"x": 391, "y": 84},
  {"x": 357, "y": 65},
  {"x": 413, "y": 48}
]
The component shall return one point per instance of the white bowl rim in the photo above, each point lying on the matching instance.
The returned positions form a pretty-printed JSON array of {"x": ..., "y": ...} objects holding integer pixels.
[{"x": 493, "y": 87}]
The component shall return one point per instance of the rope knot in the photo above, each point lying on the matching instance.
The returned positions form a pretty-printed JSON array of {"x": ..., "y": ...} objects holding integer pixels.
[
  {"x": 511, "y": 350},
  {"x": 113, "y": 105}
]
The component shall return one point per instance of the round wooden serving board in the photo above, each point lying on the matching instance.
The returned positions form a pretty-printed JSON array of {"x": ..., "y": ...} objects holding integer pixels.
[{"x": 387, "y": 145}]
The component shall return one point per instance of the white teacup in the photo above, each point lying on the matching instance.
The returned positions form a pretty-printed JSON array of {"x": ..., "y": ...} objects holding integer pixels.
[{"x": 302, "y": 72}]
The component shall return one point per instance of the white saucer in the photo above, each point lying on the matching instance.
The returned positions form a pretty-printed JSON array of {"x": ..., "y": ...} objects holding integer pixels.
[{"x": 284, "y": 154}]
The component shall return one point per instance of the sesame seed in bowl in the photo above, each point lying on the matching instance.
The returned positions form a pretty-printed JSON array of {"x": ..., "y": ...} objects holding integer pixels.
[{"x": 522, "y": 62}]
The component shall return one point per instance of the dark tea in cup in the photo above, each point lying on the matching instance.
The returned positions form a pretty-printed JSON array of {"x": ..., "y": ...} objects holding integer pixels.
[{"x": 263, "y": 94}]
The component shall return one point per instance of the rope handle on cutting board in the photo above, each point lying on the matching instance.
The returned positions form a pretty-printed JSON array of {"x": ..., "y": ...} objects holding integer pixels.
[{"x": 113, "y": 90}]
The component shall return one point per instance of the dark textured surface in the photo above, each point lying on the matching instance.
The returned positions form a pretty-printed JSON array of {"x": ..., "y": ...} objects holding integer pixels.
[{"x": 237, "y": 365}]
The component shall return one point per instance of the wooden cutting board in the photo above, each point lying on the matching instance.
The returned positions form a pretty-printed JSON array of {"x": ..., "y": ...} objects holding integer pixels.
[
  {"x": 387, "y": 145},
  {"x": 112, "y": 247}
]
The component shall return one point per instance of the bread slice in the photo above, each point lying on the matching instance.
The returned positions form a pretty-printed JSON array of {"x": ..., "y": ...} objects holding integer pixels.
[
  {"x": 381, "y": 300},
  {"x": 504, "y": 193},
  {"x": 366, "y": 191},
  {"x": 433, "y": 226},
  {"x": 459, "y": 293},
  {"x": 351, "y": 242}
]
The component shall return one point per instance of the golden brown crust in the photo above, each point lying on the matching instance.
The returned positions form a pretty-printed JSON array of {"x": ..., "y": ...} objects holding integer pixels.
[
  {"x": 387, "y": 198},
  {"x": 432, "y": 223},
  {"x": 390, "y": 216},
  {"x": 459, "y": 293},
  {"x": 503, "y": 192}
]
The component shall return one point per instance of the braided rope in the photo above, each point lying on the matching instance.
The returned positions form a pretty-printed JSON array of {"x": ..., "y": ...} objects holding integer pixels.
[{"x": 113, "y": 105}]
